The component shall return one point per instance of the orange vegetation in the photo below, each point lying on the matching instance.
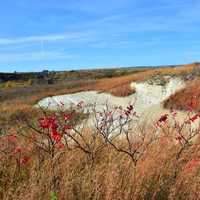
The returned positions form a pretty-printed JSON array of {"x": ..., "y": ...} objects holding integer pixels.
[
  {"x": 118, "y": 86},
  {"x": 186, "y": 98},
  {"x": 161, "y": 173}
]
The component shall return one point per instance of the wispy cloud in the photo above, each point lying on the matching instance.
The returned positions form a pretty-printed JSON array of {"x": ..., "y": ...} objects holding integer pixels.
[
  {"x": 93, "y": 28},
  {"x": 74, "y": 36},
  {"x": 136, "y": 22},
  {"x": 35, "y": 56}
]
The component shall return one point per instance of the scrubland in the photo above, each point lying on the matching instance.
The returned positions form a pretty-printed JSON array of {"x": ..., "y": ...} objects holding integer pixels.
[
  {"x": 44, "y": 156},
  {"x": 185, "y": 97}
]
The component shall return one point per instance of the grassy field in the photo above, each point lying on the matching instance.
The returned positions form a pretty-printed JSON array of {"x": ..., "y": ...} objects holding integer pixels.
[
  {"x": 186, "y": 98},
  {"x": 144, "y": 166}
]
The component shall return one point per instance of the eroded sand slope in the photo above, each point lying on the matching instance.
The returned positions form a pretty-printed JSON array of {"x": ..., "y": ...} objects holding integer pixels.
[{"x": 146, "y": 96}]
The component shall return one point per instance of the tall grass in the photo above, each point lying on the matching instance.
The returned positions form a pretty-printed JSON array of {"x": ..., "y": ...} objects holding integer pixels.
[
  {"x": 185, "y": 98},
  {"x": 164, "y": 165},
  {"x": 161, "y": 161}
]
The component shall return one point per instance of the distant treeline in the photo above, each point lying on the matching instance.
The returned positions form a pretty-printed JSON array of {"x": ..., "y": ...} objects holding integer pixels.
[
  {"x": 4, "y": 77},
  {"x": 74, "y": 74}
]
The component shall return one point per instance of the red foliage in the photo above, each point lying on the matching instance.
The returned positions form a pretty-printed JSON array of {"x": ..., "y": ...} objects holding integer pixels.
[
  {"x": 51, "y": 124},
  {"x": 24, "y": 160},
  {"x": 191, "y": 165},
  {"x": 47, "y": 122},
  {"x": 55, "y": 135},
  {"x": 67, "y": 117},
  {"x": 17, "y": 150},
  {"x": 194, "y": 117},
  {"x": 12, "y": 137},
  {"x": 162, "y": 119}
]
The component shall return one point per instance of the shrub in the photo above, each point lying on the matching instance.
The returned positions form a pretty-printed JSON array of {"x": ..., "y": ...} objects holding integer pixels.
[
  {"x": 185, "y": 98},
  {"x": 122, "y": 91},
  {"x": 62, "y": 157}
]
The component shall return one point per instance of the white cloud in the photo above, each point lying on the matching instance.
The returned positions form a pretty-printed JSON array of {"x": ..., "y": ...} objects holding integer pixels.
[
  {"x": 76, "y": 36},
  {"x": 123, "y": 24},
  {"x": 35, "y": 56}
]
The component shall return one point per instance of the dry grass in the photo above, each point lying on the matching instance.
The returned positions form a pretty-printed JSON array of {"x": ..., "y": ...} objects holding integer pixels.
[
  {"x": 110, "y": 84},
  {"x": 159, "y": 175},
  {"x": 122, "y": 91},
  {"x": 183, "y": 99},
  {"x": 111, "y": 176},
  {"x": 13, "y": 100}
]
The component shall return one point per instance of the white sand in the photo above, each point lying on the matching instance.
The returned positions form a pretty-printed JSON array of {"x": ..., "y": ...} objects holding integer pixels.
[
  {"x": 147, "y": 97},
  {"x": 148, "y": 100}
]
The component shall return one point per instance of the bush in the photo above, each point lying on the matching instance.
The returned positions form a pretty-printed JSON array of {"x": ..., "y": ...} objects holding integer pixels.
[{"x": 59, "y": 157}]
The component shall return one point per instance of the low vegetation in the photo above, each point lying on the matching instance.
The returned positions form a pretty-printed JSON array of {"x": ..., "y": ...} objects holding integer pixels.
[
  {"x": 180, "y": 99},
  {"x": 44, "y": 156},
  {"x": 56, "y": 157}
]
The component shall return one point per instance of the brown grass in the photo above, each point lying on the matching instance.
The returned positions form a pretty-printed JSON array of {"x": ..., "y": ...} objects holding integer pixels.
[
  {"x": 182, "y": 99},
  {"x": 13, "y": 100},
  {"x": 109, "y": 84},
  {"x": 122, "y": 91},
  {"x": 111, "y": 176}
]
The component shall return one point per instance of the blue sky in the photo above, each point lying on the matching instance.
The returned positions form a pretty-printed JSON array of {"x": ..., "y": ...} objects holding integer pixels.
[{"x": 74, "y": 34}]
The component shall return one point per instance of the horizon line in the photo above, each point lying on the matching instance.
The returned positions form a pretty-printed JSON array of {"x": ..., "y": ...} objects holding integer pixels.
[{"x": 103, "y": 68}]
